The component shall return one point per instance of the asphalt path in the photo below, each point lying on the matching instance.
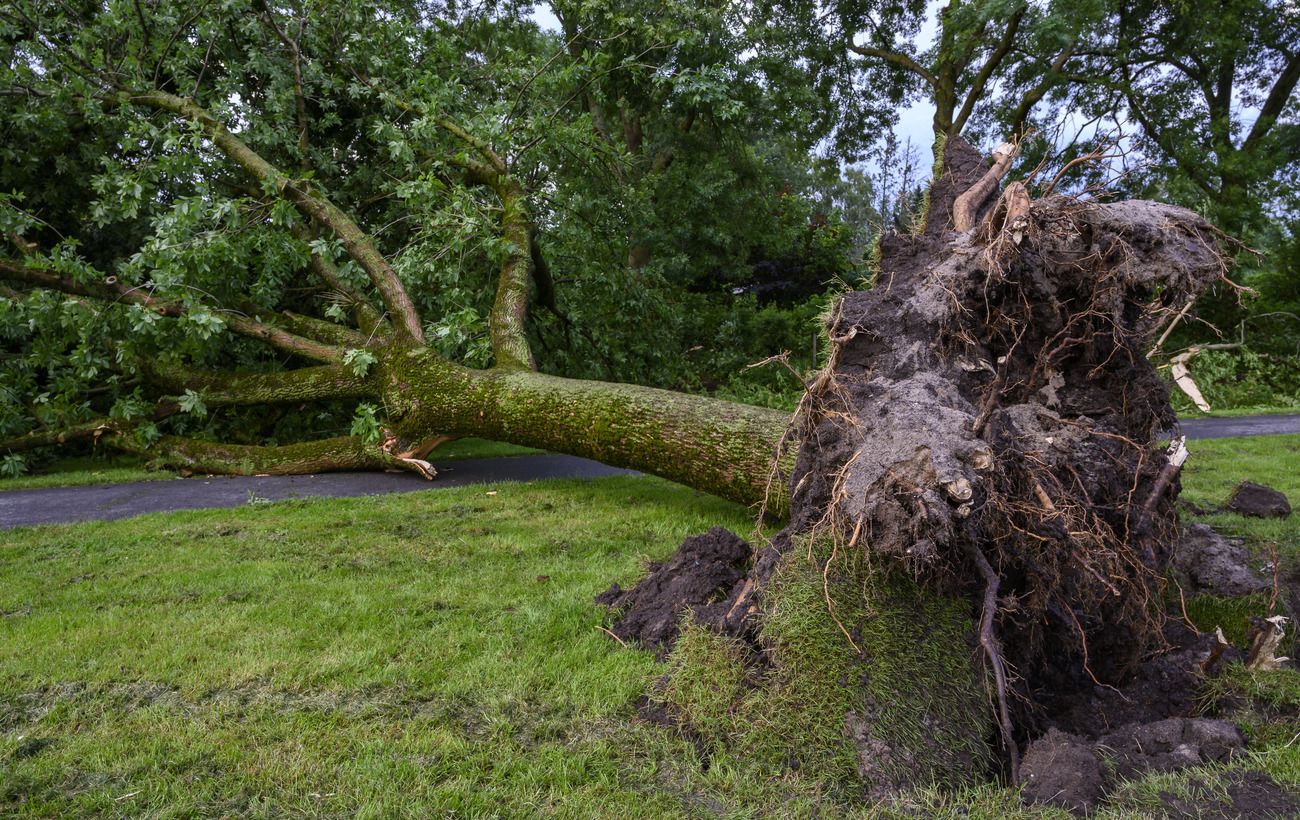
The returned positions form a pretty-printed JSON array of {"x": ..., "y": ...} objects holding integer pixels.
[
  {"x": 1241, "y": 426},
  {"x": 58, "y": 505},
  {"x": 21, "y": 508}
]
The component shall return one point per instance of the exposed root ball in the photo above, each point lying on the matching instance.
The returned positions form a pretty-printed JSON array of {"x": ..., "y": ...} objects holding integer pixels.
[{"x": 985, "y": 427}]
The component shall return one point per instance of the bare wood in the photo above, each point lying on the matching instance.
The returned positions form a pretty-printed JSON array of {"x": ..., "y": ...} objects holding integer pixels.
[
  {"x": 966, "y": 207},
  {"x": 1170, "y": 329}
]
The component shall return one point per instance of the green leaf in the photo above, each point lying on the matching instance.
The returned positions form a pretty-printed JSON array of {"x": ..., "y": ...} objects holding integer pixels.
[{"x": 359, "y": 360}]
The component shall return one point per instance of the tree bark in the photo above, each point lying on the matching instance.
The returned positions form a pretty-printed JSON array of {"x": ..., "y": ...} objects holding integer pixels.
[{"x": 719, "y": 447}]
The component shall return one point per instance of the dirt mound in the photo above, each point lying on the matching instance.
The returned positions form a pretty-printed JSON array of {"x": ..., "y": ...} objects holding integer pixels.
[
  {"x": 1173, "y": 743},
  {"x": 1258, "y": 501},
  {"x": 1065, "y": 770},
  {"x": 1061, "y": 770},
  {"x": 698, "y": 577},
  {"x": 1205, "y": 561}
]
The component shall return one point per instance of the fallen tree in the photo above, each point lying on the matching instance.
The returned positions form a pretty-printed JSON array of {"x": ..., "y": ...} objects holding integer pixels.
[
  {"x": 338, "y": 325},
  {"x": 981, "y": 513}
]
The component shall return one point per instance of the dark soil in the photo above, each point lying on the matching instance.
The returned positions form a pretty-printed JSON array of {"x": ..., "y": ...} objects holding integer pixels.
[
  {"x": 1251, "y": 794},
  {"x": 1258, "y": 501},
  {"x": 1066, "y": 770},
  {"x": 1166, "y": 686},
  {"x": 1062, "y": 770},
  {"x": 699, "y": 576},
  {"x": 1205, "y": 561},
  {"x": 1173, "y": 743}
]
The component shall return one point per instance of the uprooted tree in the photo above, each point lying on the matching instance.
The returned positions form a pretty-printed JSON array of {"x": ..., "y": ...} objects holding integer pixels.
[{"x": 979, "y": 511}]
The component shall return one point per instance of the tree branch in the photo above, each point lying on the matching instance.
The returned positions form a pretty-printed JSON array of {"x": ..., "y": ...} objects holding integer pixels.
[
  {"x": 358, "y": 244},
  {"x": 367, "y": 318},
  {"x": 981, "y": 80},
  {"x": 93, "y": 429},
  {"x": 223, "y": 389},
  {"x": 510, "y": 308},
  {"x": 898, "y": 59},
  {"x": 325, "y": 455},
  {"x": 115, "y": 292},
  {"x": 1036, "y": 94},
  {"x": 1275, "y": 103},
  {"x": 300, "y": 98},
  {"x": 319, "y": 329}
]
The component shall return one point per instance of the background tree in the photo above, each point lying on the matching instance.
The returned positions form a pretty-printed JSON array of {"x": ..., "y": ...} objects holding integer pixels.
[
  {"x": 869, "y": 58},
  {"x": 1209, "y": 108}
]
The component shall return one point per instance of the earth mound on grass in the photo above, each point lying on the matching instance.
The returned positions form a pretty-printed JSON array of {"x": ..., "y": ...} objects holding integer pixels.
[
  {"x": 1258, "y": 501},
  {"x": 1205, "y": 561},
  {"x": 697, "y": 578}
]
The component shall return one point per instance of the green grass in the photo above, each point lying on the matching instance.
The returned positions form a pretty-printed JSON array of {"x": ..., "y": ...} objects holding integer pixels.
[
  {"x": 1190, "y": 412},
  {"x": 1216, "y": 466},
  {"x": 435, "y": 654},
  {"x": 79, "y": 471},
  {"x": 406, "y": 654}
]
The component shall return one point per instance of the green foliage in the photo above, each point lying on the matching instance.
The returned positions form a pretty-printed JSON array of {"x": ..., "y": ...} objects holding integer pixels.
[
  {"x": 12, "y": 466},
  {"x": 663, "y": 163},
  {"x": 359, "y": 360},
  {"x": 1231, "y": 379},
  {"x": 365, "y": 423},
  {"x": 192, "y": 402}
]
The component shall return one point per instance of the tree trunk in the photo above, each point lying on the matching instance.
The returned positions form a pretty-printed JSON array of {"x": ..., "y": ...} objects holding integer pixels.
[{"x": 716, "y": 446}]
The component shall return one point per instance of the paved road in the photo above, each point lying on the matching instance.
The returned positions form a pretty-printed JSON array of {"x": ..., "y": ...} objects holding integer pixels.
[
  {"x": 20, "y": 508},
  {"x": 1243, "y": 426}
]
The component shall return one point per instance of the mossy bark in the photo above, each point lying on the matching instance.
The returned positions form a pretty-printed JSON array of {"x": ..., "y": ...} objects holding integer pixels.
[
  {"x": 716, "y": 446},
  {"x": 326, "y": 455}
]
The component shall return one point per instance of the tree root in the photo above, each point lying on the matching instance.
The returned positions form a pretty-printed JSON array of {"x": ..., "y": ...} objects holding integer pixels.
[{"x": 993, "y": 653}]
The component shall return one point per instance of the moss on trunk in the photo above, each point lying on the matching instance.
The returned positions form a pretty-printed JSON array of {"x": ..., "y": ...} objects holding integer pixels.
[
  {"x": 720, "y": 447},
  {"x": 326, "y": 455}
]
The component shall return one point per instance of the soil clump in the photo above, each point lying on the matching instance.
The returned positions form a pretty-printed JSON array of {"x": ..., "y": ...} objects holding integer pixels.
[
  {"x": 1205, "y": 561},
  {"x": 1258, "y": 501},
  {"x": 696, "y": 579},
  {"x": 1066, "y": 770}
]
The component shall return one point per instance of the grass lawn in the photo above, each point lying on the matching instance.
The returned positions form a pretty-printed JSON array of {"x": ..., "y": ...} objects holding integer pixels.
[{"x": 422, "y": 654}]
